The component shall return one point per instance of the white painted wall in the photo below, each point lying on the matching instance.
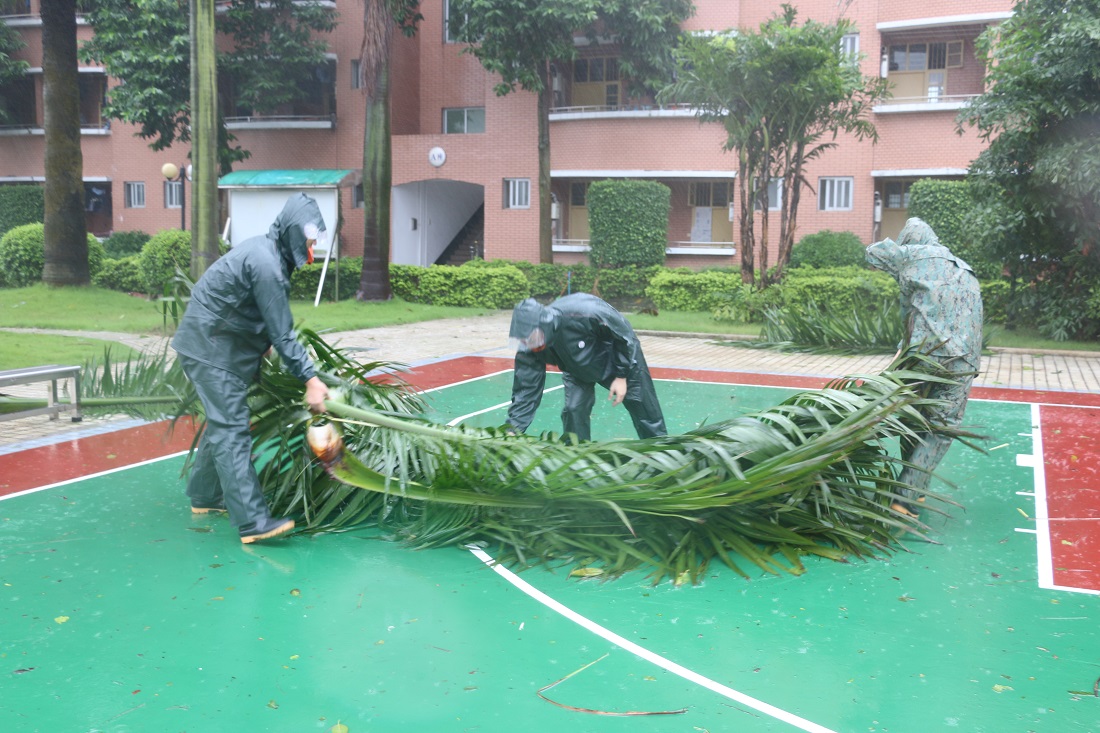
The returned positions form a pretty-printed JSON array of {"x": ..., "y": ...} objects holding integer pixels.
[
  {"x": 426, "y": 217},
  {"x": 253, "y": 210}
]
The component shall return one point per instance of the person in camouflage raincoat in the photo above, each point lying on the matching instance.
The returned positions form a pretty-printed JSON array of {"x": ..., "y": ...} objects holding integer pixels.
[
  {"x": 238, "y": 310},
  {"x": 592, "y": 344},
  {"x": 941, "y": 305}
]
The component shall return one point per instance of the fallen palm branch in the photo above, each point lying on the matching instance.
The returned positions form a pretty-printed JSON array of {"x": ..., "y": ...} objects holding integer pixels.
[
  {"x": 627, "y": 713},
  {"x": 815, "y": 475},
  {"x": 812, "y": 476}
]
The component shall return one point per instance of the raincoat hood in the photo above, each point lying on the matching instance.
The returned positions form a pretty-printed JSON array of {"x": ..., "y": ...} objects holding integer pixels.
[
  {"x": 289, "y": 232},
  {"x": 528, "y": 317}
]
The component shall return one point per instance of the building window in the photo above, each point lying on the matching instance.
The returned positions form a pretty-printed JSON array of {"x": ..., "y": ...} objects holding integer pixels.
[
  {"x": 897, "y": 194},
  {"x": 925, "y": 56},
  {"x": 464, "y": 120},
  {"x": 834, "y": 194},
  {"x": 355, "y": 74},
  {"x": 596, "y": 82},
  {"x": 357, "y": 201},
  {"x": 134, "y": 194},
  {"x": 173, "y": 194},
  {"x": 710, "y": 194},
  {"x": 517, "y": 193},
  {"x": 92, "y": 90},
  {"x": 18, "y": 102},
  {"x": 775, "y": 196},
  {"x": 578, "y": 194},
  {"x": 849, "y": 46},
  {"x": 452, "y": 24}
]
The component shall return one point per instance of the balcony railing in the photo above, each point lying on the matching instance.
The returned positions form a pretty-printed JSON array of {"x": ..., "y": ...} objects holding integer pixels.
[
  {"x": 15, "y": 7},
  {"x": 283, "y": 121},
  {"x": 603, "y": 108},
  {"x": 927, "y": 102},
  {"x": 674, "y": 247}
]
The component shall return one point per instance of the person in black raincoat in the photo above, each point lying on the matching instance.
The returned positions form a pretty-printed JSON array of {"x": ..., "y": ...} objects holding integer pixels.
[
  {"x": 592, "y": 344},
  {"x": 941, "y": 305},
  {"x": 239, "y": 309}
]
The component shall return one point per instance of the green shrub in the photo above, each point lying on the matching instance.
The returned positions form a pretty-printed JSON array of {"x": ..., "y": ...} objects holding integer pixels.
[
  {"x": 995, "y": 295},
  {"x": 303, "y": 283},
  {"x": 478, "y": 286},
  {"x": 828, "y": 249},
  {"x": 23, "y": 254},
  {"x": 946, "y": 206},
  {"x": 836, "y": 288},
  {"x": 162, "y": 254},
  {"x": 124, "y": 244},
  {"x": 625, "y": 282},
  {"x": 19, "y": 205},
  {"x": 122, "y": 274},
  {"x": 682, "y": 289},
  {"x": 628, "y": 222}
]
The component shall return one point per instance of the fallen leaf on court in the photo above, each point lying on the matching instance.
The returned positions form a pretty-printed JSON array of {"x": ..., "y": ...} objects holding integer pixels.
[
  {"x": 295, "y": 592},
  {"x": 61, "y": 619},
  {"x": 1001, "y": 688},
  {"x": 600, "y": 712},
  {"x": 585, "y": 572},
  {"x": 273, "y": 705},
  {"x": 1021, "y": 511},
  {"x": 906, "y": 598},
  {"x": 649, "y": 678},
  {"x": 1067, "y": 542},
  {"x": 339, "y": 728}
]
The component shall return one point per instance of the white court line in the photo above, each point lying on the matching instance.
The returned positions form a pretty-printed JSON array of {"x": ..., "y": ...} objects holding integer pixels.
[
  {"x": 108, "y": 472},
  {"x": 1044, "y": 551},
  {"x": 463, "y": 418},
  {"x": 644, "y": 653}
]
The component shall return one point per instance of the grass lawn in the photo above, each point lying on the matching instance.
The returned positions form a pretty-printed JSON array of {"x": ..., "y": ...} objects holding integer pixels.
[{"x": 19, "y": 350}]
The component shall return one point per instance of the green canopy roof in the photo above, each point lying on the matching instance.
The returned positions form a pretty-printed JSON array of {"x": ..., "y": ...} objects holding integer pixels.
[{"x": 285, "y": 179}]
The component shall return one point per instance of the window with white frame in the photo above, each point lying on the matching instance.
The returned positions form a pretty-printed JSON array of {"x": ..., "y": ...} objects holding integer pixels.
[
  {"x": 835, "y": 194},
  {"x": 849, "y": 45},
  {"x": 775, "y": 195},
  {"x": 464, "y": 120},
  {"x": 173, "y": 194},
  {"x": 133, "y": 194},
  {"x": 517, "y": 193}
]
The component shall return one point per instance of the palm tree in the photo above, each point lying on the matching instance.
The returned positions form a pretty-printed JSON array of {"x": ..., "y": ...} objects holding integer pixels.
[
  {"x": 379, "y": 19},
  {"x": 66, "y": 244}
]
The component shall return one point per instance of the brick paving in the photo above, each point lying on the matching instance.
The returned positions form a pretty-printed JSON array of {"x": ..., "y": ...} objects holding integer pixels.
[{"x": 426, "y": 342}]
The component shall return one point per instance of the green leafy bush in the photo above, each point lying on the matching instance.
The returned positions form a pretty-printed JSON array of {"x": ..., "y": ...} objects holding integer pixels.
[
  {"x": 303, "y": 283},
  {"x": 23, "y": 254},
  {"x": 681, "y": 289},
  {"x": 628, "y": 221},
  {"x": 19, "y": 205},
  {"x": 162, "y": 254},
  {"x": 124, "y": 244},
  {"x": 828, "y": 249},
  {"x": 122, "y": 274},
  {"x": 478, "y": 286},
  {"x": 841, "y": 289},
  {"x": 947, "y": 207},
  {"x": 625, "y": 282},
  {"x": 995, "y": 295}
]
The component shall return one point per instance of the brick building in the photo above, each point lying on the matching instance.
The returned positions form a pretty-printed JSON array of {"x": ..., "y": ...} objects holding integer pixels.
[{"x": 465, "y": 161}]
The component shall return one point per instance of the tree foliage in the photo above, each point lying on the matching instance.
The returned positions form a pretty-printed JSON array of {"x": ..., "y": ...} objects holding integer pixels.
[
  {"x": 145, "y": 44},
  {"x": 518, "y": 40},
  {"x": 783, "y": 93},
  {"x": 1037, "y": 184}
]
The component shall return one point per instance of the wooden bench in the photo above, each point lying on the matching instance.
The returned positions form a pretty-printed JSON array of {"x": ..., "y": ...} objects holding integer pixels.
[{"x": 51, "y": 373}]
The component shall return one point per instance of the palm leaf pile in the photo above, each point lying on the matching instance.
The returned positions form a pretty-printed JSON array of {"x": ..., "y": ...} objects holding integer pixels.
[
  {"x": 814, "y": 475},
  {"x": 862, "y": 330}
]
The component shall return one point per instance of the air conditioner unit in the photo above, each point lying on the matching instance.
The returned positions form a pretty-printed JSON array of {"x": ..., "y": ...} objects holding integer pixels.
[{"x": 555, "y": 211}]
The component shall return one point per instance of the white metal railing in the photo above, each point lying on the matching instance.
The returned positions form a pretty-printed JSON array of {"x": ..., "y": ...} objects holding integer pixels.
[
  {"x": 331, "y": 119},
  {"x": 597, "y": 108},
  {"x": 928, "y": 99},
  {"x": 582, "y": 245}
]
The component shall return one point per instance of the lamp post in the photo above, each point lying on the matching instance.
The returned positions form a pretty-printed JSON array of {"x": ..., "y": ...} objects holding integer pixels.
[{"x": 172, "y": 172}]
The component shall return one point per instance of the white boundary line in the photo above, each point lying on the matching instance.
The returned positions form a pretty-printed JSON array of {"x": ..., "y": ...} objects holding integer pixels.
[
  {"x": 108, "y": 472},
  {"x": 644, "y": 653},
  {"x": 1043, "y": 549}
]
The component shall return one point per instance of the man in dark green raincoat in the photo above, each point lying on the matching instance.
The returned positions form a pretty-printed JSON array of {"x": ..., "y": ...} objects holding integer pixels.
[
  {"x": 592, "y": 344},
  {"x": 941, "y": 305},
  {"x": 239, "y": 309}
]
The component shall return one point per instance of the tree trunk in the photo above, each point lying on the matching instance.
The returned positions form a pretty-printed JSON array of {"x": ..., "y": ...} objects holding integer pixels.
[
  {"x": 748, "y": 246},
  {"x": 204, "y": 139},
  {"x": 66, "y": 235},
  {"x": 546, "y": 235},
  {"x": 374, "y": 279}
]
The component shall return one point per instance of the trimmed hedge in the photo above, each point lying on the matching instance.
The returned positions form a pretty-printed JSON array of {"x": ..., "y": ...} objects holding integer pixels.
[
  {"x": 21, "y": 204},
  {"x": 23, "y": 254},
  {"x": 628, "y": 222},
  {"x": 945, "y": 206},
  {"x": 122, "y": 274},
  {"x": 303, "y": 283},
  {"x": 682, "y": 289},
  {"x": 829, "y": 249},
  {"x": 484, "y": 287},
  {"x": 162, "y": 254},
  {"x": 124, "y": 244}
]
